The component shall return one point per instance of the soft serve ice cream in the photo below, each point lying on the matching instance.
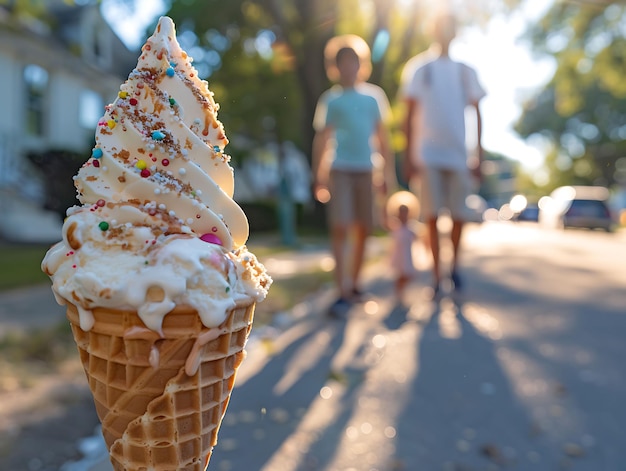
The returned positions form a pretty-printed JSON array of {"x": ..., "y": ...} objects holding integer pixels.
[
  {"x": 158, "y": 227},
  {"x": 159, "y": 286}
]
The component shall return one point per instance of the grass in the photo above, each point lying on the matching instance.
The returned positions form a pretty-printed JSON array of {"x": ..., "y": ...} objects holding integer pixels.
[
  {"x": 287, "y": 292},
  {"x": 21, "y": 265}
]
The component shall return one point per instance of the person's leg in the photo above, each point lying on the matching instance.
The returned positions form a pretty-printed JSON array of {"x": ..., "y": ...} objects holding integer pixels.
[
  {"x": 400, "y": 285},
  {"x": 363, "y": 222},
  {"x": 459, "y": 190},
  {"x": 339, "y": 236},
  {"x": 455, "y": 237},
  {"x": 433, "y": 238},
  {"x": 431, "y": 199},
  {"x": 360, "y": 238},
  {"x": 339, "y": 212}
]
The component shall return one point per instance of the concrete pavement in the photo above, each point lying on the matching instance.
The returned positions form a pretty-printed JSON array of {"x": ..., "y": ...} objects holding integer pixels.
[{"x": 522, "y": 373}]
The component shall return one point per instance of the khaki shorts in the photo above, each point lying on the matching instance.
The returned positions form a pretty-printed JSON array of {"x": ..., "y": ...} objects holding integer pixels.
[
  {"x": 444, "y": 188},
  {"x": 351, "y": 199}
]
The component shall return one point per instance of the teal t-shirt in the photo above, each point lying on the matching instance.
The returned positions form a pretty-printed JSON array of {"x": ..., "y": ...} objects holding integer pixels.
[{"x": 354, "y": 114}]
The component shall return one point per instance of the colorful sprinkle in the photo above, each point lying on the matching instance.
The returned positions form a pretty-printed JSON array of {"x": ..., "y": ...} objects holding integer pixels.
[
  {"x": 141, "y": 164},
  {"x": 214, "y": 229},
  {"x": 122, "y": 95},
  {"x": 103, "y": 226},
  {"x": 170, "y": 72},
  {"x": 111, "y": 124},
  {"x": 216, "y": 149},
  {"x": 211, "y": 239},
  {"x": 96, "y": 153},
  {"x": 165, "y": 162},
  {"x": 133, "y": 101},
  {"x": 100, "y": 203},
  {"x": 145, "y": 173},
  {"x": 96, "y": 163},
  {"x": 158, "y": 135},
  {"x": 172, "y": 102}
]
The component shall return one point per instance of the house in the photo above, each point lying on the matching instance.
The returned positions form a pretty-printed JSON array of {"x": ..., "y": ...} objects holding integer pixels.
[{"x": 57, "y": 71}]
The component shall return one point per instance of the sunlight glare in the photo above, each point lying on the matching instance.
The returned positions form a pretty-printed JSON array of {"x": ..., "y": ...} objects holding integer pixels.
[{"x": 326, "y": 392}]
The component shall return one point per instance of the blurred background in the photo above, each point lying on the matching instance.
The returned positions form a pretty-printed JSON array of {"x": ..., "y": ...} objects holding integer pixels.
[
  {"x": 553, "y": 116},
  {"x": 548, "y": 304}
]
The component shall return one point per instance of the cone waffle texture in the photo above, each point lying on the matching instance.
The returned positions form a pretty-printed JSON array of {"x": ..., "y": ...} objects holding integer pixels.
[{"x": 154, "y": 414}]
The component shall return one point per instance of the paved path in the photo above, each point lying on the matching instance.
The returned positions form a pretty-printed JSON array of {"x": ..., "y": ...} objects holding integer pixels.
[{"x": 30, "y": 307}]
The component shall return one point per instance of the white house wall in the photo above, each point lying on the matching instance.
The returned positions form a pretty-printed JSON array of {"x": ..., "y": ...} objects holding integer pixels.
[
  {"x": 64, "y": 128},
  {"x": 10, "y": 79},
  {"x": 69, "y": 74}
]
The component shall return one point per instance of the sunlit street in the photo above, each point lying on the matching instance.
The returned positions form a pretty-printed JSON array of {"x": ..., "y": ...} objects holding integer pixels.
[{"x": 524, "y": 373}]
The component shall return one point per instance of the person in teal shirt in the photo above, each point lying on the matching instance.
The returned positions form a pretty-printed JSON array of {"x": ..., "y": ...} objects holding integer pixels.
[{"x": 350, "y": 129}]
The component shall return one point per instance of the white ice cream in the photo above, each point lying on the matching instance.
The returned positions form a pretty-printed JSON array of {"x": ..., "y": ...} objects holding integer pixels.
[{"x": 158, "y": 226}]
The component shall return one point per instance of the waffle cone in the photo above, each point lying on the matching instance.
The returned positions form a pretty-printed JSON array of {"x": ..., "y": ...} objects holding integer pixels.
[{"x": 161, "y": 399}]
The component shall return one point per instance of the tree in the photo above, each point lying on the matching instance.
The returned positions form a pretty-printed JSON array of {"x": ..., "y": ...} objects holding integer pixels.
[
  {"x": 582, "y": 110},
  {"x": 265, "y": 57}
]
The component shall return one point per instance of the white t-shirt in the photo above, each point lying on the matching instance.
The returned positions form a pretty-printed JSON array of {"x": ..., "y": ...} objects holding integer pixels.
[{"x": 444, "y": 88}]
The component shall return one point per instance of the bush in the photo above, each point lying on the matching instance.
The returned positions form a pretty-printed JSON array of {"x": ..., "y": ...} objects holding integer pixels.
[{"x": 59, "y": 167}]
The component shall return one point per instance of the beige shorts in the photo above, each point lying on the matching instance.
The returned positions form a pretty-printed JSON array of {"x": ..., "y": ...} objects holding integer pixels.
[
  {"x": 444, "y": 188},
  {"x": 351, "y": 199}
]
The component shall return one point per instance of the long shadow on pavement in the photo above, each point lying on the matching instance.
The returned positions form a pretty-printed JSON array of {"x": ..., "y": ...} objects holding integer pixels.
[
  {"x": 574, "y": 349},
  {"x": 461, "y": 413},
  {"x": 268, "y": 408}
]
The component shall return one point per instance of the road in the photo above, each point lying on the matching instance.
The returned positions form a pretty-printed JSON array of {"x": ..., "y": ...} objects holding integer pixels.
[{"x": 525, "y": 372}]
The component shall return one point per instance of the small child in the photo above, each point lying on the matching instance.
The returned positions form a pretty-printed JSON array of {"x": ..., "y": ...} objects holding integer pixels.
[{"x": 403, "y": 236}]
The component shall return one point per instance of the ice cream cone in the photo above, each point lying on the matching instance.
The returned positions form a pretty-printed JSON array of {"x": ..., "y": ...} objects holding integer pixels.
[{"x": 161, "y": 398}]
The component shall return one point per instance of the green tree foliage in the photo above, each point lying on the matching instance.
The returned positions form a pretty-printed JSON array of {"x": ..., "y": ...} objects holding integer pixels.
[
  {"x": 264, "y": 58},
  {"x": 582, "y": 110}
]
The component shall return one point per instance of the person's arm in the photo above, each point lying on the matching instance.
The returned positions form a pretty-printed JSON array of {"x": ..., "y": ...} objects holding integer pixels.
[
  {"x": 389, "y": 172},
  {"x": 321, "y": 164},
  {"x": 479, "y": 147},
  {"x": 411, "y": 126}
]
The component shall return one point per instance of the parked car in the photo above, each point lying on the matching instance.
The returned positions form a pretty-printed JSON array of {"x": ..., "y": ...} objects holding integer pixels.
[
  {"x": 577, "y": 206},
  {"x": 529, "y": 213}
]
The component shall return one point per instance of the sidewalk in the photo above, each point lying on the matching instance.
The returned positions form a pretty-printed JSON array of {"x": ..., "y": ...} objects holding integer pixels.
[{"x": 30, "y": 307}]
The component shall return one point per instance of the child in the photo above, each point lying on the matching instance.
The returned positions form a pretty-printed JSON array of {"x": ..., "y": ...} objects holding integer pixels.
[
  {"x": 403, "y": 236},
  {"x": 350, "y": 126}
]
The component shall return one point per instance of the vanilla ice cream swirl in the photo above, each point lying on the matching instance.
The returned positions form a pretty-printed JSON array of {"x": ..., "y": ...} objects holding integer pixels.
[{"x": 160, "y": 149}]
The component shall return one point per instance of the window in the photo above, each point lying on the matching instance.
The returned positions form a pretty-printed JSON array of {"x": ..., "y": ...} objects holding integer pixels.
[
  {"x": 91, "y": 108},
  {"x": 36, "y": 82}
]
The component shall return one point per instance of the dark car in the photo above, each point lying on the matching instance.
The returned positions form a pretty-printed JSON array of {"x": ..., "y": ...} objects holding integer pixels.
[
  {"x": 593, "y": 214},
  {"x": 577, "y": 206},
  {"x": 529, "y": 213}
]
